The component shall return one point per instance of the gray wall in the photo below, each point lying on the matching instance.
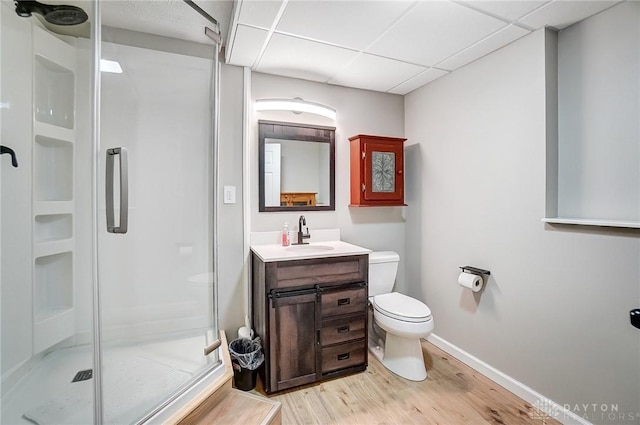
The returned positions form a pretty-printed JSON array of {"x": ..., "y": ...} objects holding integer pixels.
[
  {"x": 555, "y": 312},
  {"x": 599, "y": 111},
  {"x": 231, "y": 284},
  {"x": 359, "y": 112}
]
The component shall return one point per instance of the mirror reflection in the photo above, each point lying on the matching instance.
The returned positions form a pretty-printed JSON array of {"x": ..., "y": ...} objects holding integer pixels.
[{"x": 296, "y": 167}]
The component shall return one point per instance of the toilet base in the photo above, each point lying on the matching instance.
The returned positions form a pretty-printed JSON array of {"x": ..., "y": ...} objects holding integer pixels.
[{"x": 401, "y": 356}]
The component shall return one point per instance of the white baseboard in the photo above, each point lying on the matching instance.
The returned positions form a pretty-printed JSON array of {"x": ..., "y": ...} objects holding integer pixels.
[{"x": 547, "y": 406}]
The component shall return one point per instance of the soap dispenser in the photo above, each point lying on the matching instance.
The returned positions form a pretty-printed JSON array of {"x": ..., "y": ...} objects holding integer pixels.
[{"x": 286, "y": 236}]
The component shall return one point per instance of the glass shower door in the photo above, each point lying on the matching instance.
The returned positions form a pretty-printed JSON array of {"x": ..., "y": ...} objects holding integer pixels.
[{"x": 155, "y": 238}]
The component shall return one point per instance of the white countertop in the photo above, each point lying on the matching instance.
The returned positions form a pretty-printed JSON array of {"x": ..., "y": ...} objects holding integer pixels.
[{"x": 277, "y": 252}]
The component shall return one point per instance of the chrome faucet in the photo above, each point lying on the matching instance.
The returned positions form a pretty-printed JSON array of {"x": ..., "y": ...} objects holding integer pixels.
[{"x": 302, "y": 236}]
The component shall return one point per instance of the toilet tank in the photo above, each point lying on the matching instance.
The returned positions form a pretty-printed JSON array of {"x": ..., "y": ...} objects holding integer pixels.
[{"x": 383, "y": 267}]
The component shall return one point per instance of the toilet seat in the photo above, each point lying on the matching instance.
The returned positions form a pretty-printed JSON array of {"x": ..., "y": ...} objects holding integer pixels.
[{"x": 401, "y": 307}]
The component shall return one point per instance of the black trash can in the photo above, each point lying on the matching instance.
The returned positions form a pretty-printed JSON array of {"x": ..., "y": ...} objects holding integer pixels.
[
  {"x": 246, "y": 357},
  {"x": 243, "y": 379}
]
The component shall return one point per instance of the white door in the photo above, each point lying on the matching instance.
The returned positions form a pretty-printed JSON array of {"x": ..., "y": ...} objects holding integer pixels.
[{"x": 272, "y": 175}]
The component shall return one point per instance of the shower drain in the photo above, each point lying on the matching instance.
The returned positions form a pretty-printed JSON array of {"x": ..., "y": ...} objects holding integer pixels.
[{"x": 83, "y": 375}]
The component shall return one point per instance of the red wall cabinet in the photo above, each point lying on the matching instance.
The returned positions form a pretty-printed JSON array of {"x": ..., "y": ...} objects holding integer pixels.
[{"x": 377, "y": 171}]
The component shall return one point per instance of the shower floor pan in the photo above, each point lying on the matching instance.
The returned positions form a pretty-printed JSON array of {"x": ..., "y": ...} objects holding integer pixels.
[{"x": 135, "y": 378}]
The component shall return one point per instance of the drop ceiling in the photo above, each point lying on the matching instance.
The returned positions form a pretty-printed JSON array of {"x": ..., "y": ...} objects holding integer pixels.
[
  {"x": 390, "y": 46},
  {"x": 386, "y": 46}
]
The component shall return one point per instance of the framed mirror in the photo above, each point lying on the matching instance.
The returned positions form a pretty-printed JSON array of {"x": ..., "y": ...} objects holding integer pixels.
[{"x": 296, "y": 167}]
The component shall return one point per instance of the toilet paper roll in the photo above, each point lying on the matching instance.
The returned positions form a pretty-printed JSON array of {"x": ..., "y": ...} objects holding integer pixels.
[
  {"x": 470, "y": 281},
  {"x": 245, "y": 332}
]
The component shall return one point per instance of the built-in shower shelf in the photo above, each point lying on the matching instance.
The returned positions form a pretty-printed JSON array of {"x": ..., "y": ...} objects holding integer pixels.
[
  {"x": 51, "y": 314},
  {"x": 54, "y": 64},
  {"x": 52, "y": 227},
  {"x": 45, "y": 249},
  {"x": 53, "y": 169},
  {"x": 53, "y": 131},
  {"x": 52, "y": 207},
  {"x": 53, "y": 294}
]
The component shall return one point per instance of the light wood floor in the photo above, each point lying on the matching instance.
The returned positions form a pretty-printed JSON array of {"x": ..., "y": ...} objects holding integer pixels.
[{"x": 452, "y": 394}]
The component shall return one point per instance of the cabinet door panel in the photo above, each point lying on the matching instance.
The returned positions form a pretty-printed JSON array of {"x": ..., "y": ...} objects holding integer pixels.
[
  {"x": 383, "y": 178},
  {"x": 292, "y": 351}
]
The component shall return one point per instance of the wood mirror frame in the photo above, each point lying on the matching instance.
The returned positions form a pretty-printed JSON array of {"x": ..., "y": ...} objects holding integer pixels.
[{"x": 296, "y": 132}]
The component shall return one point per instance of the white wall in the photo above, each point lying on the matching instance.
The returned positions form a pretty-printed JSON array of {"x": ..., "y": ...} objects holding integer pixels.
[
  {"x": 359, "y": 112},
  {"x": 555, "y": 312}
]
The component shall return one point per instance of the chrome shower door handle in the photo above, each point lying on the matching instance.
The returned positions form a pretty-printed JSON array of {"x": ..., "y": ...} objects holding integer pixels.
[{"x": 124, "y": 190}]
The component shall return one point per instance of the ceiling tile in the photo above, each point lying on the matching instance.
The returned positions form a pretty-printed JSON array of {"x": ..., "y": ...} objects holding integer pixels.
[
  {"x": 388, "y": 73},
  {"x": 418, "y": 81},
  {"x": 259, "y": 13},
  {"x": 433, "y": 31},
  {"x": 484, "y": 47},
  {"x": 561, "y": 14},
  {"x": 353, "y": 24},
  {"x": 509, "y": 10},
  {"x": 298, "y": 58},
  {"x": 247, "y": 44}
]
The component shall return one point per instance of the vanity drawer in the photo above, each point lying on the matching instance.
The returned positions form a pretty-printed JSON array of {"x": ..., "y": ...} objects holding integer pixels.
[
  {"x": 342, "y": 330},
  {"x": 317, "y": 271},
  {"x": 343, "y": 356},
  {"x": 345, "y": 301}
]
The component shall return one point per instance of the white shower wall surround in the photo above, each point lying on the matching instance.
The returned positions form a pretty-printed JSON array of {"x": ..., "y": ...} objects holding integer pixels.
[{"x": 156, "y": 281}]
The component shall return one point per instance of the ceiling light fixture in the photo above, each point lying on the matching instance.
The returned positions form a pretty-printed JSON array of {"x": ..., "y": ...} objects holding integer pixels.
[{"x": 296, "y": 105}]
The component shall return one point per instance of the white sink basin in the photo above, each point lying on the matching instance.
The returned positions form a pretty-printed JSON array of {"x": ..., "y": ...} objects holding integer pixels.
[
  {"x": 320, "y": 249},
  {"x": 309, "y": 248}
]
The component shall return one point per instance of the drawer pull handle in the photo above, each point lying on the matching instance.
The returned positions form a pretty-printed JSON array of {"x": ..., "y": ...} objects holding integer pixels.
[
  {"x": 344, "y": 356},
  {"x": 343, "y": 329},
  {"x": 344, "y": 301}
]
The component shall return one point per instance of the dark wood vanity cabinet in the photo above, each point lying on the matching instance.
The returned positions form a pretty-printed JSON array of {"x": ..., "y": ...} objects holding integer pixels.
[{"x": 312, "y": 318}]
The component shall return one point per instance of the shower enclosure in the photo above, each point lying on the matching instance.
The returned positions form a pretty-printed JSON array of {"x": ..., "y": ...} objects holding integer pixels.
[{"x": 107, "y": 220}]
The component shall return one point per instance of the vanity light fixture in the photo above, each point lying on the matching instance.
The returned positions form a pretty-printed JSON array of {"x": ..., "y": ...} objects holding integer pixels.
[
  {"x": 295, "y": 105},
  {"x": 110, "y": 66}
]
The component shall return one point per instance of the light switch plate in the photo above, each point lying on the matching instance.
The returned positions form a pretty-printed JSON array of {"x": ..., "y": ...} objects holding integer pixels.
[{"x": 229, "y": 195}]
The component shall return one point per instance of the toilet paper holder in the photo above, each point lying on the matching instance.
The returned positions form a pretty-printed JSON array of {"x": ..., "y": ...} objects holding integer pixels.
[{"x": 475, "y": 270}]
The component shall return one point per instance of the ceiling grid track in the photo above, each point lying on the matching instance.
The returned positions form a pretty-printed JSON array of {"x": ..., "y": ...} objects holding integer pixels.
[
  {"x": 382, "y": 34},
  {"x": 515, "y": 22},
  {"x": 283, "y": 6}
]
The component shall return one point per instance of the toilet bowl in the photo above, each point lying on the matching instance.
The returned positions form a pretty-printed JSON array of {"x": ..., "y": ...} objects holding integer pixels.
[{"x": 404, "y": 320}]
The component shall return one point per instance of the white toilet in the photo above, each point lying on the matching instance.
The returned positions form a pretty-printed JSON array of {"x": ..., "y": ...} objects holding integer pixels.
[{"x": 404, "y": 319}]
